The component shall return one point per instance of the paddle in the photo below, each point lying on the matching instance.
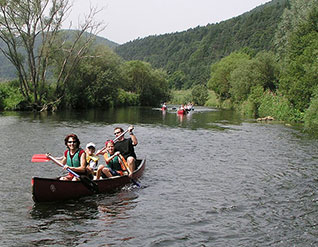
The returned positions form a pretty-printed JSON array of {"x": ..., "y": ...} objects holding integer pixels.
[
  {"x": 115, "y": 140},
  {"x": 120, "y": 157},
  {"x": 91, "y": 185}
]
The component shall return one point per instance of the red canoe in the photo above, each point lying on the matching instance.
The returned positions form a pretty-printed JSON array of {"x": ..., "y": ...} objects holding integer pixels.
[
  {"x": 53, "y": 189},
  {"x": 182, "y": 112}
]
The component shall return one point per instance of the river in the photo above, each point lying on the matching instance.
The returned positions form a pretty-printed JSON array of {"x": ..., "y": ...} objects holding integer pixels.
[{"x": 212, "y": 179}]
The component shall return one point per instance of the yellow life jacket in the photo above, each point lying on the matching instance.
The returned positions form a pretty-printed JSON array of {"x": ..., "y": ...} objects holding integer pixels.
[{"x": 92, "y": 160}]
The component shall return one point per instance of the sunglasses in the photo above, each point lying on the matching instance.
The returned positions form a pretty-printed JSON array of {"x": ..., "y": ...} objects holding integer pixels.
[
  {"x": 72, "y": 142},
  {"x": 116, "y": 133}
]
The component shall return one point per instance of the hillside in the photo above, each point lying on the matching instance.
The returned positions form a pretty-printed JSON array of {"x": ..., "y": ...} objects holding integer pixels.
[
  {"x": 194, "y": 50},
  {"x": 8, "y": 72}
]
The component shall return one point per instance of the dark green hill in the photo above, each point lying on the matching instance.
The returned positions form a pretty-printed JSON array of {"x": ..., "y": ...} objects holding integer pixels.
[
  {"x": 194, "y": 50},
  {"x": 8, "y": 72}
]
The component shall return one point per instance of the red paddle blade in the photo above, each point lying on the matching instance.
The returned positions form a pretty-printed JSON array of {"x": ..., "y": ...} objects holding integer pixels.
[{"x": 39, "y": 158}]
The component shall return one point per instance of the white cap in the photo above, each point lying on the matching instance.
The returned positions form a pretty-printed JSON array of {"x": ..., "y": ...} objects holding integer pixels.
[{"x": 91, "y": 144}]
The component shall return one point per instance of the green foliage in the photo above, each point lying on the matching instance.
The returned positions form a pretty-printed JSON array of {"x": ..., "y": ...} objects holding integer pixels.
[
  {"x": 127, "y": 98},
  {"x": 311, "y": 114},
  {"x": 177, "y": 80},
  {"x": 212, "y": 100},
  {"x": 250, "y": 106},
  {"x": 199, "y": 94},
  {"x": 151, "y": 85},
  {"x": 299, "y": 78},
  {"x": 278, "y": 106},
  {"x": 193, "y": 51},
  {"x": 294, "y": 14},
  {"x": 221, "y": 73},
  {"x": 95, "y": 81},
  {"x": 179, "y": 97},
  {"x": 261, "y": 70},
  {"x": 10, "y": 96}
]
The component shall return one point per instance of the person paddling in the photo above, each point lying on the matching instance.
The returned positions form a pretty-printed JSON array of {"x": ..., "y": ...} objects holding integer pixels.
[
  {"x": 126, "y": 146},
  {"x": 115, "y": 163},
  {"x": 74, "y": 157}
]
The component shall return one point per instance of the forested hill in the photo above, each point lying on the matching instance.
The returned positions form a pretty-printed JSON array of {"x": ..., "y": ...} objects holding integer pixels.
[
  {"x": 8, "y": 71},
  {"x": 194, "y": 50}
]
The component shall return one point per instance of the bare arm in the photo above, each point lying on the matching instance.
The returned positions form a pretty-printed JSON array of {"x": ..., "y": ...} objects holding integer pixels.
[
  {"x": 132, "y": 136},
  {"x": 107, "y": 160}
]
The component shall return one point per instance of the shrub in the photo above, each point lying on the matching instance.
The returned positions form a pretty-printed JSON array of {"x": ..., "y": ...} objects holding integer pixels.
[
  {"x": 278, "y": 106},
  {"x": 10, "y": 96},
  {"x": 199, "y": 94},
  {"x": 179, "y": 97},
  {"x": 212, "y": 100},
  {"x": 127, "y": 98},
  {"x": 311, "y": 114}
]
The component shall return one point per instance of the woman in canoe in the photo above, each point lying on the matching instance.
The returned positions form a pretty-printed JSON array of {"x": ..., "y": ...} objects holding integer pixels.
[
  {"x": 74, "y": 157},
  {"x": 115, "y": 163}
]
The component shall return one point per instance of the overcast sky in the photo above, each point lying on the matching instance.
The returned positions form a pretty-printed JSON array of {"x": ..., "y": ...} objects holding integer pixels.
[{"x": 127, "y": 20}]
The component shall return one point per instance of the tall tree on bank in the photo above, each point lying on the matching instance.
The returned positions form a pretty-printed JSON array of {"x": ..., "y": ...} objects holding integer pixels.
[{"x": 23, "y": 24}]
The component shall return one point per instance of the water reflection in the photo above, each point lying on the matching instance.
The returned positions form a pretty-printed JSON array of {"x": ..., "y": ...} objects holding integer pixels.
[
  {"x": 103, "y": 206},
  {"x": 201, "y": 117},
  {"x": 85, "y": 207}
]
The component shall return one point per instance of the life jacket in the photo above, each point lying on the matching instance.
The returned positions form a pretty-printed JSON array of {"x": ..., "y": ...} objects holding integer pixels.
[
  {"x": 122, "y": 164},
  {"x": 74, "y": 161},
  {"x": 92, "y": 161}
]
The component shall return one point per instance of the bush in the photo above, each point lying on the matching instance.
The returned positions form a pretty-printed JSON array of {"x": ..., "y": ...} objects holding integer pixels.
[
  {"x": 311, "y": 114},
  {"x": 199, "y": 94},
  {"x": 10, "y": 96},
  {"x": 127, "y": 98},
  {"x": 278, "y": 106},
  {"x": 212, "y": 100},
  {"x": 251, "y": 105},
  {"x": 179, "y": 97}
]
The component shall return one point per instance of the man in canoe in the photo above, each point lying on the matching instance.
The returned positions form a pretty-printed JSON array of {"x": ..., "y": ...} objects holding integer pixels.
[{"x": 126, "y": 146}]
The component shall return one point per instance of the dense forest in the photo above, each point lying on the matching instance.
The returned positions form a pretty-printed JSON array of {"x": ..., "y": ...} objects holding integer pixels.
[{"x": 189, "y": 54}]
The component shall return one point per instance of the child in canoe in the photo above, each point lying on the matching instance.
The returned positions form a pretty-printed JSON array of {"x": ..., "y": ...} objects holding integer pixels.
[
  {"x": 91, "y": 158},
  {"x": 116, "y": 165}
]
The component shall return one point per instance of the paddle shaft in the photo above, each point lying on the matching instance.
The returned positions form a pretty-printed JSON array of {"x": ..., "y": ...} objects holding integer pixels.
[
  {"x": 61, "y": 165},
  {"x": 129, "y": 171},
  {"x": 115, "y": 140}
]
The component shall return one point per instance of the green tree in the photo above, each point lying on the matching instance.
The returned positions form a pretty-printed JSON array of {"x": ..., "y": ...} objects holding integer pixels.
[
  {"x": 177, "y": 80},
  {"x": 261, "y": 70},
  {"x": 25, "y": 25},
  {"x": 221, "y": 73},
  {"x": 199, "y": 94},
  {"x": 295, "y": 14},
  {"x": 311, "y": 114},
  {"x": 151, "y": 85},
  {"x": 96, "y": 80},
  {"x": 299, "y": 78}
]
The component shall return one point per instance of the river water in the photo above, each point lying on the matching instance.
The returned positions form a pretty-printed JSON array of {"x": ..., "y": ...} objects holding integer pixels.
[{"x": 212, "y": 179}]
